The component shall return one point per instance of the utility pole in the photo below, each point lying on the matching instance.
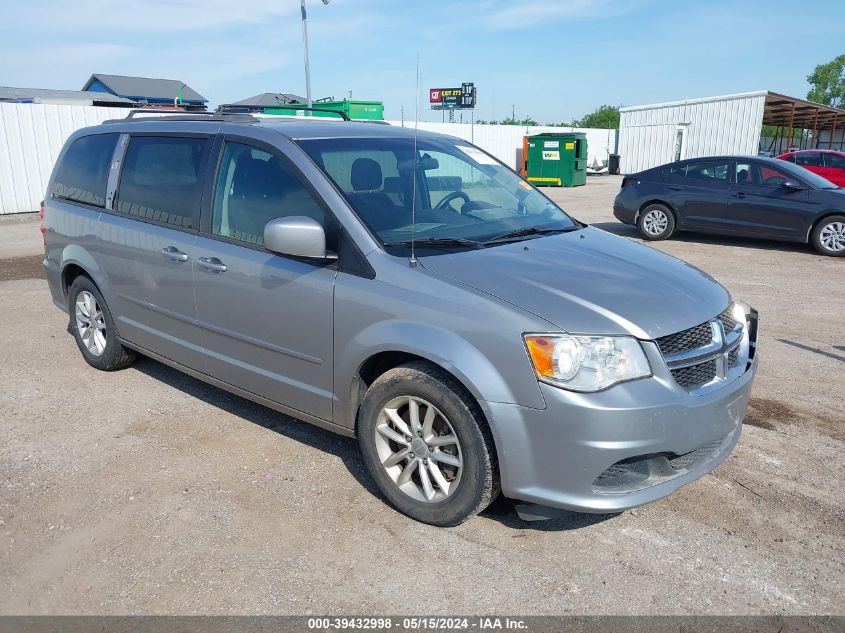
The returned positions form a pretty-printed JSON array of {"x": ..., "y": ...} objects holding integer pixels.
[{"x": 305, "y": 47}]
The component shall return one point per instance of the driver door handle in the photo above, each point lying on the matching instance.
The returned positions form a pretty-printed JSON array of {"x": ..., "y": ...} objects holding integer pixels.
[
  {"x": 212, "y": 264},
  {"x": 174, "y": 254},
  {"x": 740, "y": 194}
]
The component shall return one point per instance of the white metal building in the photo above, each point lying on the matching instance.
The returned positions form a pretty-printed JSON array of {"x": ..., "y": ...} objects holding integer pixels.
[{"x": 652, "y": 135}]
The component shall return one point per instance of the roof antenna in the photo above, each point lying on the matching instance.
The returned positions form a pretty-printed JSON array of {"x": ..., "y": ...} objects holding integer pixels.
[{"x": 413, "y": 261}]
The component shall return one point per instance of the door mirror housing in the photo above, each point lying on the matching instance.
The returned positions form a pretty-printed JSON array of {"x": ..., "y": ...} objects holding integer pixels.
[
  {"x": 794, "y": 185},
  {"x": 297, "y": 236}
]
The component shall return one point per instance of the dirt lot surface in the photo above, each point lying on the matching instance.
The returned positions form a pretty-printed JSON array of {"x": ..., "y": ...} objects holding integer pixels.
[{"x": 145, "y": 491}]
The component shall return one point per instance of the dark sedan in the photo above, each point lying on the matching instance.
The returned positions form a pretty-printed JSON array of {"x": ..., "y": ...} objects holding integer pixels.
[{"x": 735, "y": 195}]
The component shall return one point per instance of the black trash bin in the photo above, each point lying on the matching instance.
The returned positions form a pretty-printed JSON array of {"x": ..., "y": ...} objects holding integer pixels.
[{"x": 613, "y": 163}]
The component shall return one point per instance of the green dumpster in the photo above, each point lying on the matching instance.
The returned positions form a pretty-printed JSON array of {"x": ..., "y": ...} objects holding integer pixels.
[
  {"x": 557, "y": 160},
  {"x": 360, "y": 110}
]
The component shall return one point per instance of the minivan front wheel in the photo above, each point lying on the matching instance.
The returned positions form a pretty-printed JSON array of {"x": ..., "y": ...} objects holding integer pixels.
[
  {"x": 656, "y": 222},
  {"x": 93, "y": 328},
  {"x": 427, "y": 446}
]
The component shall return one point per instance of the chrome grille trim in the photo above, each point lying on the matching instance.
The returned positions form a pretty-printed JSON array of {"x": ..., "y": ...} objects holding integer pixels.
[{"x": 704, "y": 356}]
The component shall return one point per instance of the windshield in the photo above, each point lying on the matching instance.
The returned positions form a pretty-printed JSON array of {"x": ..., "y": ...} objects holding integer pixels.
[{"x": 464, "y": 197}]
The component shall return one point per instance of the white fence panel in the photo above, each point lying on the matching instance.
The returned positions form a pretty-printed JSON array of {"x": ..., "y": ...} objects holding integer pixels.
[
  {"x": 31, "y": 137},
  {"x": 505, "y": 141}
]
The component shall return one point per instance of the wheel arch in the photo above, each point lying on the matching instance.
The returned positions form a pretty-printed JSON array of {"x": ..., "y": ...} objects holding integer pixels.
[
  {"x": 380, "y": 363},
  {"x": 77, "y": 261},
  {"x": 656, "y": 201},
  {"x": 388, "y": 344},
  {"x": 820, "y": 219}
]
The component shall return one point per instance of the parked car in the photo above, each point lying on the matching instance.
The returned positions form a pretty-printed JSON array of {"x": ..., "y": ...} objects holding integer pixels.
[
  {"x": 735, "y": 195},
  {"x": 828, "y": 164},
  {"x": 408, "y": 290}
]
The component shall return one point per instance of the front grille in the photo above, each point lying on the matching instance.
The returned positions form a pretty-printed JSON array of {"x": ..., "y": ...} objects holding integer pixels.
[
  {"x": 693, "y": 458},
  {"x": 728, "y": 322},
  {"x": 733, "y": 357},
  {"x": 695, "y": 375},
  {"x": 690, "y": 339}
]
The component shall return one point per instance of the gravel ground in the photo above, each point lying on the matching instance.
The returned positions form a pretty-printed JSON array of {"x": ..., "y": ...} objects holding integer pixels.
[{"x": 148, "y": 492}]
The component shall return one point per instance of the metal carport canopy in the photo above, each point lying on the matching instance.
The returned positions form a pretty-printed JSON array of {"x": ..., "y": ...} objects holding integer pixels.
[{"x": 790, "y": 112}]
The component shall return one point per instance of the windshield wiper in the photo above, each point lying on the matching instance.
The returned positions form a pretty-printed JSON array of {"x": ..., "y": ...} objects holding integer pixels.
[
  {"x": 439, "y": 242},
  {"x": 527, "y": 231}
]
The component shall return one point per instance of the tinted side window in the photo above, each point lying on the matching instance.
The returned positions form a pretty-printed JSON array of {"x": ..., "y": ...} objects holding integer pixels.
[
  {"x": 84, "y": 171},
  {"x": 834, "y": 160},
  {"x": 254, "y": 187},
  {"x": 708, "y": 172},
  {"x": 810, "y": 159},
  {"x": 760, "y": 175},
  {"x": 677, "y": 171},
  {"x": 162, "y": 179}
]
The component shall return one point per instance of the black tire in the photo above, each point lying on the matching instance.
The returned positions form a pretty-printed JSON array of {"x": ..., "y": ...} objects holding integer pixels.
[
  {"x": 648, "y": 231},
  {"x": 114, "y": 356},
  {"x": 478, "y": 484},
  {"x": 816, "y": 235}
]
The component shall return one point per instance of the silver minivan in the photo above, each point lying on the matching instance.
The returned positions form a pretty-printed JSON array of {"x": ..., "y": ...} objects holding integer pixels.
[{"x": 406, "y": 289}]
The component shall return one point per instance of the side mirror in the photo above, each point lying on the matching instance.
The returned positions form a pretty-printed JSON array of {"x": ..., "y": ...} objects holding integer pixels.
[
  {"x": 296, "y": 236},
  {"x": 794, "y": 185}
]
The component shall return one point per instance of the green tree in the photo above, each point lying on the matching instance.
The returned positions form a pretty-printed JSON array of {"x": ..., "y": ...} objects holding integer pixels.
[
  {"x": 512, "y": 121},
  {"x": 828, "y": 83},
  {"x": 605, "y": 117}
]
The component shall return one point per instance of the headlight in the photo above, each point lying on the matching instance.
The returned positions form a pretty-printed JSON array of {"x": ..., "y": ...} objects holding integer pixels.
[
  {"x": 739, "y": 312},
  {"x": 586, "y": 363}
]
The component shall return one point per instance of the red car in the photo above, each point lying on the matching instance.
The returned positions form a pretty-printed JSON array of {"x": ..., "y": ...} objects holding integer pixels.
[{"x": 828, "y": 164}]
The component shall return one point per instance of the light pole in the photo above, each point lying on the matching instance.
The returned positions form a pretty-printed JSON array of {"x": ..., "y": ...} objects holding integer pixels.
[{"x": 305, "y": 46}]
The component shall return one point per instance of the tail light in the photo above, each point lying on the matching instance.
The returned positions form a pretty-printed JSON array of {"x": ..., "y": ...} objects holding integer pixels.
[{"x": 42, "y": 228}]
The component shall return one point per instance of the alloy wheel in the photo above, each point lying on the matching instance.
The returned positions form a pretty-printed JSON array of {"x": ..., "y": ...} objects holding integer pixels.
[
  {"x": 90, "y": 323},
  {"x": 832, "y": 237},
  {"x": 655, "y": 222},
  {"x": 418, "y": 449}
]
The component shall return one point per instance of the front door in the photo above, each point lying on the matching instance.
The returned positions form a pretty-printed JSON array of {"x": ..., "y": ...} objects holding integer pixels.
[
  {"x": 267, "y": 319},
  {"x": 762, "y": 205},
  {"x": 146, "y": 244}
]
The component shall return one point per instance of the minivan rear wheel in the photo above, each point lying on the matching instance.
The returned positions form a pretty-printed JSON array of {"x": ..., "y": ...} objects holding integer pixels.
[
  {"x": 828, "y": 236},
  {"x": 426, "y": 444},
  {"x": 656, "y": 222},
  {"x": 93, "y": 328}
]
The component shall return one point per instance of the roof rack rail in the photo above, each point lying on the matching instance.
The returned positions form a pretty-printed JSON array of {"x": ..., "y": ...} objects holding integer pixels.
[
  {"x": 232, "y": 108},
  {"x": 170, "y": 115}
]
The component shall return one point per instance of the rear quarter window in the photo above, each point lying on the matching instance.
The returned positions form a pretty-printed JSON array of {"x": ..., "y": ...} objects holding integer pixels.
[
  {"x": 162, "y": 179},
  {"x": 83, "y": 173}
]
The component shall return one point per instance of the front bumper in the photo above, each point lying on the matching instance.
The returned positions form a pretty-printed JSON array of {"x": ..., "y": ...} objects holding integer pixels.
[{"x": 567, "y": 455}]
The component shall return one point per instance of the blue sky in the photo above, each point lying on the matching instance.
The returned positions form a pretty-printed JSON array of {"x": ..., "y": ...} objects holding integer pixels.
[{"x": 552, "y": 60}]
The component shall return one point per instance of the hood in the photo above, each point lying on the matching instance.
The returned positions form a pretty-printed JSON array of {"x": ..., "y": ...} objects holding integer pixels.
[{"x": 590, "y": 282}]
